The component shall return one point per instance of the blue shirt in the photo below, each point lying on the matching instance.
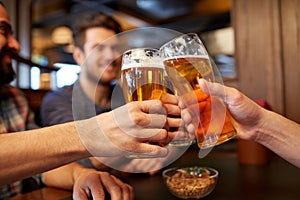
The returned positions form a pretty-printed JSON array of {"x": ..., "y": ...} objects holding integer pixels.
[{"x": 71, "y": 103}]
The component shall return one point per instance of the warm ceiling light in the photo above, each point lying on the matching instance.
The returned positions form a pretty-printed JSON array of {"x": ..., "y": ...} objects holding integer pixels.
[{"x": 62, "y": 35}]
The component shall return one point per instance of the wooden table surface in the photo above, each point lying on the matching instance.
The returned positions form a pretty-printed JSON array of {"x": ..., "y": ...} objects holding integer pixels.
[
  {"x": 46, "y": 193},
  {"x": 276, "y": 180}
]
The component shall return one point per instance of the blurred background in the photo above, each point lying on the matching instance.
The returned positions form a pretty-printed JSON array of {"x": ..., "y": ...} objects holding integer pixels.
[{"x": 256, "y": 44}]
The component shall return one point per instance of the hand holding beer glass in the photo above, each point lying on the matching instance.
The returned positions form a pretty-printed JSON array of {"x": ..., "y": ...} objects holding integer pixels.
[
  {"x": 142, "y": 78},
  {"x": 186, "y": 61}
]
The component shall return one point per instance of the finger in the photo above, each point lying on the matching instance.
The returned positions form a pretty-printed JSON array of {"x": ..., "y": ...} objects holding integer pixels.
[
  {"x": 191, "y": 128},
  {"x": 214, "y": 89},
  {"x": 171, "y": 136},
  {"x": 152, "y": 115},
  {"x": 111, "y": 186},
  {"x": 192, "y": 113},
  {"x": 152, "y": 106},
  {"x": 191, "y": 98},
  {"x": 138, "y": 123},
  {"x": 205, "y": 88},
  {"x": 187, "y": 99},
  {"x": 174, "y": 122},
  {"x": 167, "y": 98},
  {"x": 151, "y": 150},
  {"x": 189, "y": 121},
  {"x": 79, "y": 194},
  {"x": 148, "y": 120},
  {"x": 156, "y": 120},
  {"x": 160, "y": 135},
  {"x": 95, "y": 187},
  {"x": 186, "y": 116},
  {"x": 173, "y": 109},
  {"x": 127, "y": 190},
  {"x": 181, "y": 104},
  {"x": 147, "y": 125},
  {"x": 179, "y": 134}
]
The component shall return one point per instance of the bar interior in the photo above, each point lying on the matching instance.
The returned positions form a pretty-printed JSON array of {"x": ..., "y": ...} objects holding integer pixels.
[{"x": 255, "y": 46}]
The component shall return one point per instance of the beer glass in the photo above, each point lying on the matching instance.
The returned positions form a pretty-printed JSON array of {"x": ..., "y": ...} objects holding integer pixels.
[
  {"x": 142, "y": 77},
  {"x": 186, "y": 61},
  {"x": 142, "y": 74}
]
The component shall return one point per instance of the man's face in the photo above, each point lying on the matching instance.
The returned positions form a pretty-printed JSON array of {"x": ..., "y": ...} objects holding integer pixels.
[
  {"x": 7, "y": 43},
  {"x": 102, "y": 58}
]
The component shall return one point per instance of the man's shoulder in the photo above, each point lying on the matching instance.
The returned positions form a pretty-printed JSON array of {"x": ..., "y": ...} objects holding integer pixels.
[
  {"x": 64, "y": 91},
  {"x": 60, "y": 93}
]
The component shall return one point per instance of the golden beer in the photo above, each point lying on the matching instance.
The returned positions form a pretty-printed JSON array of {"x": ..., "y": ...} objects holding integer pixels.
[
  {"x": 214, "y": 127},
  {"x": 143, "y": 83},
  {"x": 142, "y": 78}
]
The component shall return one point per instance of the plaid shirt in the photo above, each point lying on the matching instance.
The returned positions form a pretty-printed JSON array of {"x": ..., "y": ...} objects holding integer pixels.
[{"x": 15, "y": 115}]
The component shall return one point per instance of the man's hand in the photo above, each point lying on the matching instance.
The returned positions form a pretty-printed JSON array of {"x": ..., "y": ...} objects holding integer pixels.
[{"x": 91, "y": 184}]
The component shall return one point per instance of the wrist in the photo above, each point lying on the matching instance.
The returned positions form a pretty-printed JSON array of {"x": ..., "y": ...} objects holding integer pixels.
[
  {"x": 79, "y": 170},
  {"x": 264, "y": 130}
]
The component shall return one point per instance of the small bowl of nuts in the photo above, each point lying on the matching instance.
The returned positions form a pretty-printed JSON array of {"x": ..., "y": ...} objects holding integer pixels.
[{"x": 190, "y": 182}]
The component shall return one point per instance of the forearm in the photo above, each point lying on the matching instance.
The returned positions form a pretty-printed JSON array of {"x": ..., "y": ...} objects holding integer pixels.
[
  {"x": 281, "y": 135},
  {"x": 31, "y": 152}
]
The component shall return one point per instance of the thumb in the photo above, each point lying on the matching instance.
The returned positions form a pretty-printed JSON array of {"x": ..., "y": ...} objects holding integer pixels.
[{"x": 213, "y": 89}]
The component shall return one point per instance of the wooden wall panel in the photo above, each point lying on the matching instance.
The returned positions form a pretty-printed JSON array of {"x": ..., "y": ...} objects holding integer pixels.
[
  {"x": 290, "y": 15},
  {"x": 258, "y": 50}
]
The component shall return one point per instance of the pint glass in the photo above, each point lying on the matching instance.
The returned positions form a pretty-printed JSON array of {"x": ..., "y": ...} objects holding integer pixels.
[
  {"x": 186, "y": 61},
  {"x": 142, "y": 78},
  {"x": 142, "y": 74}
]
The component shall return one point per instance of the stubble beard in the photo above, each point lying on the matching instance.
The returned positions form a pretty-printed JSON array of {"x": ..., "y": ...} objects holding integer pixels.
[
  {"x": 7, "y": 73},
  {"x": 98, "y": 81}
]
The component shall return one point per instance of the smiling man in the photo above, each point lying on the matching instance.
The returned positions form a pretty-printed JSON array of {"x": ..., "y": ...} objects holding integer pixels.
[{"x": 96, "y": 52}]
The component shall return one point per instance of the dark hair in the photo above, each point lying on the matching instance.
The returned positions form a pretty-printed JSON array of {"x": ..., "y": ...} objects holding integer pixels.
[
  {"x": 1, "y": 3},
  {"x": 87, "y": 21}
]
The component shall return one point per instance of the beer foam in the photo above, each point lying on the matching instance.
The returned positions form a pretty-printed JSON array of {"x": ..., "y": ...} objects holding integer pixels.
[
  {"x": 138, "y": 58},
  {"x": 187, "y": 56},
  {"x": 149, "y": 62}
]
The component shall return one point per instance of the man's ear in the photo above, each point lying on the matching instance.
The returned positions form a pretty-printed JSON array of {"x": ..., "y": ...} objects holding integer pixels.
[{"x": 78, "y": 56}]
